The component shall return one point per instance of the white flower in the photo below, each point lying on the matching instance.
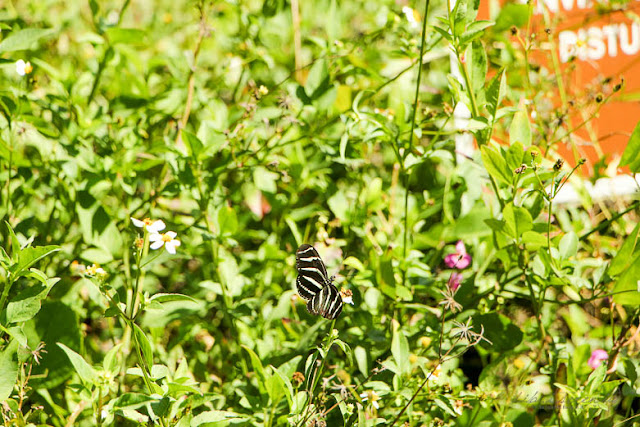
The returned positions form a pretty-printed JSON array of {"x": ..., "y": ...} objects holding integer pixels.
[
  {"x": 347, "y": 296},
  {"x": 23, "y": 68},
  {"x": 95, "y": 270},
  {"x": 434, "y": 374},
  {"x": 150, "y": 225},
  {"x": 167, "y": 239},
  {"x": 411, "y": 17},
  {"x": 373, "y": 396}
]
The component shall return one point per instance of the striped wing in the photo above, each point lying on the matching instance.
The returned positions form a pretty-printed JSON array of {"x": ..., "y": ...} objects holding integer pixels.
[
  {"x": 312, "y": 274},
  {"x": 327, "y": 303}
]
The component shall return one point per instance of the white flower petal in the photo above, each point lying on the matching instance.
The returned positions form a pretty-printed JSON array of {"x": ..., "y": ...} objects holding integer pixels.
[
  {"x": 153, "y": 237},
  {"x": 375, "y": 404},
  {"x": 157, "y": 245},
  {"x": 171, "y": 246},
  {"x": 156, "y": 226},
  {"x": 137, "y": 222},
  {"x": 171, "y": 234},
  {"x": 20, "y": 67}
]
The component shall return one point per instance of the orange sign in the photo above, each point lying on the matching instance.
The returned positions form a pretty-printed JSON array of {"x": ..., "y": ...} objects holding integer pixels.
[{"x": 595, "y": 46}]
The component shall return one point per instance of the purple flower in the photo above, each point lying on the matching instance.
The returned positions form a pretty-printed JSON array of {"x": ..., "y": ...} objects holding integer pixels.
[
  {"x": 454, "y": 281},
  {"x": 597, "y": 356},
  {"x": 460, "y": 259}
]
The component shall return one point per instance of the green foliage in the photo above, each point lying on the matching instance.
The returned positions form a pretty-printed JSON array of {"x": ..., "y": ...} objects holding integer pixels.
[{"x": 250, "y": 128}]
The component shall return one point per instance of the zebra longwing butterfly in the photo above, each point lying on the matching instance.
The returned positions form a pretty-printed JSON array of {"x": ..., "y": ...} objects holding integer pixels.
[{"x": 314, "y": 284}]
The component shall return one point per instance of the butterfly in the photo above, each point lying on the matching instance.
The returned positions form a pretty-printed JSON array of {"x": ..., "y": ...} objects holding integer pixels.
[{"x": 314, "y": 284}]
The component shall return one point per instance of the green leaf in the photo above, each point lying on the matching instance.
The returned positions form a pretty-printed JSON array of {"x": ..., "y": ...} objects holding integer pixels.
[
  {"x": 23, "y": 39},
  {"x": 495, "y": 93},
  {"x": 226, "y": 220},
  {"x": 8, "y": 369},
  {"x": 520, "y": 129},
  {"x": 287, "y": 383},
  {"x": 517, "y": 219},
  {"x": 257, "y": 368},
  {"x": 110, "y": 362},
  {"x": 533, "y": 240},
  {"x": 15, "y": 244},
  {"x": 474, "y": 30},
  {"x": 400, "y": 349},
  {"x": 631, "y": 155},
  {"x": 29, "y": 256},
  {"x": 83, "y": 369},
  {"x": 193, "y": 144},
  {"x": 215, "y": 419},
  {"x": 132, "y": 401},
  {"x": 624, "y": 257},
  {"x": 55, "y": 323},
  {"x": 165, "y": 297},
  {"x": 626, "y": 288},
  {"x": 568, "y": 245},
  {"x": 27, "y": 304},
  {"x": 515, "y": 156},
  {"x": 495, "y": 164},
  {"x": 318, "y": 79},
  {"x": 126, "y": 35},
  {"x": 145, "y": 346},
  {"x": 265, "y": 180},
  {"x": 361, "y": 359},
  {"x": 503, "y": 334},
  {"x": 478, "y": 66}
]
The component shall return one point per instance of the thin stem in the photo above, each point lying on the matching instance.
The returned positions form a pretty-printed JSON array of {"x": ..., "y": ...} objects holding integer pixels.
[
  {"x": 328, "y": 342},
  {"x": 297, "y": 42},
  {"x": 192, "y": 72},
  {"x": 5, "y": 291},
  {"x": 406, "y": 174}
]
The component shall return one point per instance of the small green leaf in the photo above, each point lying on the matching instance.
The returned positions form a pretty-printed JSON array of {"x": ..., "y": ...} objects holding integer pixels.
[
  {"x": 624, "y": 257},
  {"x": 257, "y": 368},
  {"x": 164, "y": 297},
  {"x": 126, "y": 35},
  {"x": 515, "y": 156},
  {"x": 631, "y": 155},
  {"x": 478, "y": 66},
  {"x": 626, "y": 290},
  {"x": 318, "y": 79},
  {"x": 568, "y": 245},
  {"x": 29, "y": 256},
  {"x": 132, "y": 401},
  {"x": 23, "y": 39},
  {"x": 520, "y": 129},
  {"x": 27, "y": 304},
  {"x": 533, "y": 240},
  {"x": 400, "y": 349},
  {"x": 83, "y": 369},
  {"x": 110, "y": 362},
  {"x": 193, "y": 144},
  {"x": 265, "y": 180},
  {"x": 495, "y": 93},
  {"x": 145, "y": 346},
  {"x": 8, "y": 369},
  {"x": 517, "y": 219},
  {"x": 496, "y": 164},
  {"x": 503, "y": 334}
]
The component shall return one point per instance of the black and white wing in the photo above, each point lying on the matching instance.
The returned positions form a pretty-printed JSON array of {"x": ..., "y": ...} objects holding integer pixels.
[
  {"x": 327, "y": 303},
  {"x": 312, "y": 274}
]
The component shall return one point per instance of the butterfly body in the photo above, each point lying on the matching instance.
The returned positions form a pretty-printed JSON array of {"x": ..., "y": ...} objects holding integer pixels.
[{"x": 314, "y": 284}]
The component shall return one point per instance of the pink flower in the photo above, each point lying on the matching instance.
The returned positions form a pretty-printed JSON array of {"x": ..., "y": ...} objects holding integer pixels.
[
  {"x": 597, "y": 356},
  {"x": 460, "y": 259},
  {"x": 454, "y": 281}
]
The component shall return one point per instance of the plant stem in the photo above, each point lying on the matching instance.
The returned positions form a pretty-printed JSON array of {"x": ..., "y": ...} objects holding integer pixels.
[{"x": 406, "y": 174}]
